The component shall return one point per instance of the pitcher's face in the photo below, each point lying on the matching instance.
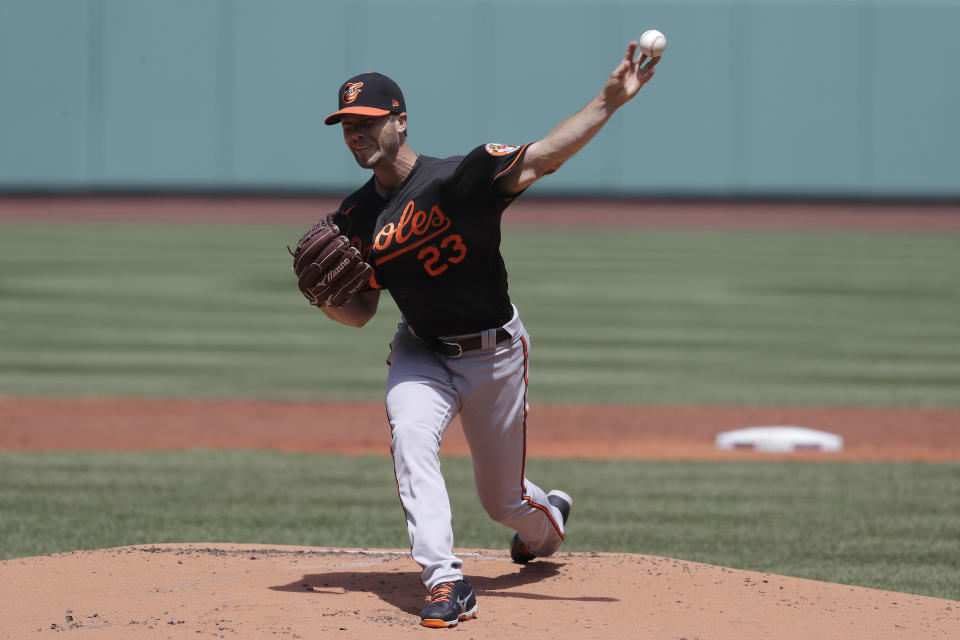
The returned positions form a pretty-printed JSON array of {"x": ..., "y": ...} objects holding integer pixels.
[{"x": 373, "y": 139}]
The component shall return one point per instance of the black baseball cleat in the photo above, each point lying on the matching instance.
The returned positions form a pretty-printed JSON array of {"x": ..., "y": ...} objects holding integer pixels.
[
  {"x": 519, "y": 552},
  {"x": 450, "y": 603},
  {"x": 562, "y": 501}
]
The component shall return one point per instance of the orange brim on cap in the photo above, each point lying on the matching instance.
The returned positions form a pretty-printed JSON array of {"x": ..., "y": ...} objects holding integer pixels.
[{"x": 334, "y": 118}]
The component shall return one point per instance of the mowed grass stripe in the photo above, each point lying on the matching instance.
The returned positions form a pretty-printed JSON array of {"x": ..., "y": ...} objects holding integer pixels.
[
  {"x": 628, "y": 315},
  {"x": 825, "y": 317}
]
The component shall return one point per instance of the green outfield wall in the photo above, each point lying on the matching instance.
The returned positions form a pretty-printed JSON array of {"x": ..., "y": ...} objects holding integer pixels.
[{"x": 848, "y": 98}]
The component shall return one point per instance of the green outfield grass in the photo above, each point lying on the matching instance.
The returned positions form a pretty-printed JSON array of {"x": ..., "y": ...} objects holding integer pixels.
[
  {"x": 618, "y": 316},
  {"x": 893, "y": 527}
]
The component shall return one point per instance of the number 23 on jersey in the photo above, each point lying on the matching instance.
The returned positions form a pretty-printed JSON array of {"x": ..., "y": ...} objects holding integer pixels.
[{"x": 436, "y": 261}]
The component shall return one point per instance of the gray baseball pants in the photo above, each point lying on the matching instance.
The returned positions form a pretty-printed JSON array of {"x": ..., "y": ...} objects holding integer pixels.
[{"x": 488, "y": 389}]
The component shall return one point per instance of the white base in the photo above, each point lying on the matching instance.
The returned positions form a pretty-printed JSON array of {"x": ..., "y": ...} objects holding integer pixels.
[{"x": 779, "y": 439}]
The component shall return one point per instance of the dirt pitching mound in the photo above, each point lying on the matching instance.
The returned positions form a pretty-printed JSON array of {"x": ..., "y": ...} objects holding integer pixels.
[{"x": 200, "y": 590}]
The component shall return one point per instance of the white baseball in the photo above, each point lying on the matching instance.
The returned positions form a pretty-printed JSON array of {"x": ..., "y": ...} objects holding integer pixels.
[{"x": 653, "y": 43}]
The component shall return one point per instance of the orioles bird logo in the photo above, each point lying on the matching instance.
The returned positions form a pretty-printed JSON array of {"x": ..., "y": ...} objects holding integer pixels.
[
  {"x": 351, "y": 91},
  {"x": 497, "y": 149}
]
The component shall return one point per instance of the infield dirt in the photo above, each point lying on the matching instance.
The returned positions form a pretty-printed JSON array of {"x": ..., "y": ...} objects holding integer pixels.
[{"x": 556, "y": 431}]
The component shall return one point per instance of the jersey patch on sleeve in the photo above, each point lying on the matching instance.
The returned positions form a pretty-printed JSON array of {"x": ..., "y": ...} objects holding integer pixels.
[{"x": 497, "y": 149}]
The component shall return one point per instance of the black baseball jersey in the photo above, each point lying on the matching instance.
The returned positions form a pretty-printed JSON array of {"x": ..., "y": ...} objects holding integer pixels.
[{"x": 435, "y": 242}]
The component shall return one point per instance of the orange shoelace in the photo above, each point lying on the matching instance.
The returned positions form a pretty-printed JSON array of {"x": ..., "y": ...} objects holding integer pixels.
[{"x": 441, "y": 592}]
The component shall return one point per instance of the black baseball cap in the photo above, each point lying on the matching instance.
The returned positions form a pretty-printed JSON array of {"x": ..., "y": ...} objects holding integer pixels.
[{"x": 368, "y": 94}]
